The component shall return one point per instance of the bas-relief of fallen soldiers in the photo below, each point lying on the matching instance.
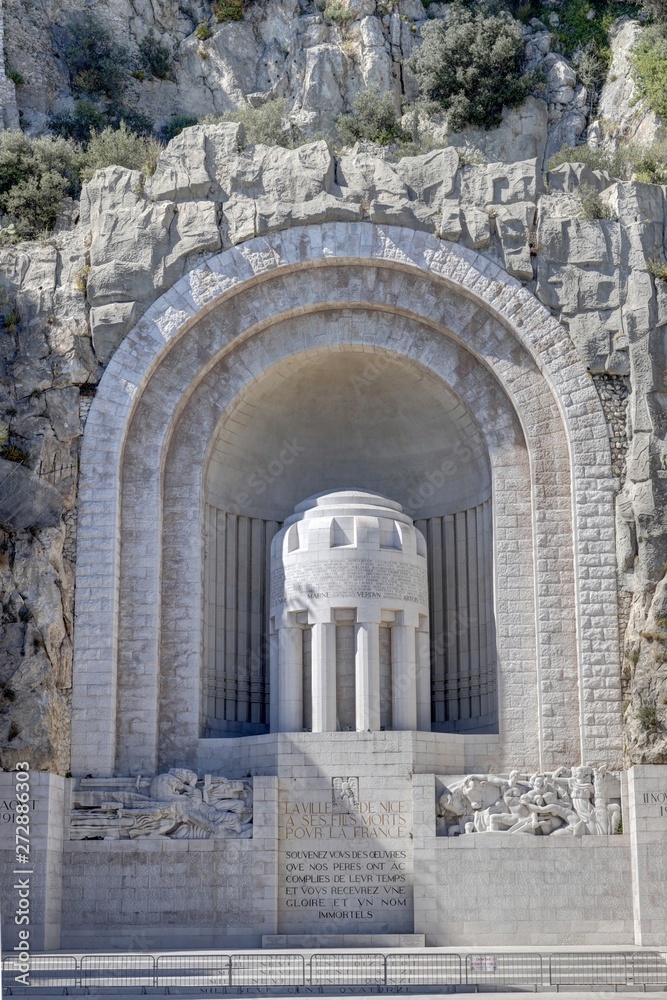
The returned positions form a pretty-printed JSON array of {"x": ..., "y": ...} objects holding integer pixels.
[
  {"x": 176, "y": 804},
  {"x": 572, "y": 801}
]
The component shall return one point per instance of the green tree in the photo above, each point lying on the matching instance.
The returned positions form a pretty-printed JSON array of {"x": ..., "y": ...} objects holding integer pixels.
[
  {"x": 97, "y": 63},
  {"x": 374, "y": 118},
  {"x": 650, "y": 68},
  {"x": 155, "y": 57},
  {"x": 472, "y": 66}
]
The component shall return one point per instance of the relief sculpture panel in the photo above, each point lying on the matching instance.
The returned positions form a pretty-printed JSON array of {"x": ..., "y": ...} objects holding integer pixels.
[
  {"x": 176, "y": 804},
  {"x": 576, "y": 801}
]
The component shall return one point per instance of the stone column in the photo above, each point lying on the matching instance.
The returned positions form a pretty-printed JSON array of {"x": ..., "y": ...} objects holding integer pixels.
[
  {"x": 274, "y": 685},
  {"x": 324, "y": 676},
  {"x": 290, "y": 680},
  {"x": 403, "y": 677},
  {"x": 423, "y": 682},
  {"x": 49, "y": 807},
  {"x": 367, "y": 676},
  {"x": 647, "y": 826}
]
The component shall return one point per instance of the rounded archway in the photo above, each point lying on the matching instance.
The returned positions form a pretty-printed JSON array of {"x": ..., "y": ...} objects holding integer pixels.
[{"x": 140, "y": 646}]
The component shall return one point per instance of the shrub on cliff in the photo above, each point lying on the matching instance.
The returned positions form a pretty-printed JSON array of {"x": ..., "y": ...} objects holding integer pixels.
[
  {"x": 120, "y": 147},
  {"x": 175, "y": 126},
  {"x": 97, "y": 63},
  {"x": 373, "y": 118},
  {"x": 78, "y": 124},
  {"x": 35, "y": 175},
  {"x": 650, "y": 68},
  {"x": 638, "y": 161},
  {"x": 615, "y": 163},
  {"x": 155, "y": 57},
  {"x": 472, "y": 66},
  {"x": 267, "y": 124},
  {"x": 88, "y": 117},
  {"x": 228, "y": 10}
]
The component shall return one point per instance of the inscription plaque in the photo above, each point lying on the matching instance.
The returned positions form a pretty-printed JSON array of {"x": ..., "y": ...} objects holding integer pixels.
[{"x": 345, "y": 861}]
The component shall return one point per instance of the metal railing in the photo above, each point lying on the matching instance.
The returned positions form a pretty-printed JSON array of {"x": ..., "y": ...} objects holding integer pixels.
[
  {"x": 43, "y": 970},
  {"x": 504, "y": 968},
  {"x": 331, "y": 969},
  {"x": 423, "y": 969},
  {"x": 117, "y": 970},
  {"x": 369, "y": 969},
  {"x": 268, "y": 970},
  {"x": 192, "y": 970},
  {"x": 575, "y": 969}
]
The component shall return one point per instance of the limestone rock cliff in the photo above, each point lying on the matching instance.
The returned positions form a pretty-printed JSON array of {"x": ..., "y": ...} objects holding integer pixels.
[{"x": 282, "y": 48}]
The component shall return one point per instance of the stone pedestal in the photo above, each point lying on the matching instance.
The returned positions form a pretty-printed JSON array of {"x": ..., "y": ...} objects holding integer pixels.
[{"x": 39, "y": 882}]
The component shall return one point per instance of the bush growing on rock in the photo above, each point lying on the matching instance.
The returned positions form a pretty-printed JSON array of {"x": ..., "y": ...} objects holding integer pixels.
[
  {"x": 656, "y": 10},
  {"x": 100, "y": 70},
  {"x": 97, "y": 63},
  {"x": 650, "y": 163},
  {"x": 228, "y": 10},
  {"x": 646, "y": 163},
  {"x": 155, "y": 57},
  {"x": 266, "y": 124},
  {"x": 35, "y": 202},
  {"x": 88, "y": 117},
  {"x": 657, "y": 268},
  {"x": 79, "y": 123},
  {"x": 613, "y": 162},
  {"x": 472, "y": 66},
  {"x": 337, "y": 11},
  {"x": 650, "y": 68},
  {"x": 35, "y": 175},
  {"x": 593, "y": 206},
  {"x": 120, "y": 147},
  {"x": 175, "y": 126},
  {"x": 374, "y": 118}
]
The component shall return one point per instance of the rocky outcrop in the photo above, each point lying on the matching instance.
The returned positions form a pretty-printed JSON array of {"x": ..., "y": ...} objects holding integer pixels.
[
  {"x": 46, "y": 365},
  {"x": 205, "y": 194},
  {"x": 68, "y": 302},
  {"x": 620, "y": 116},
  {"x": 283, "y": 48},
  {"x": 9, "y": 112}
]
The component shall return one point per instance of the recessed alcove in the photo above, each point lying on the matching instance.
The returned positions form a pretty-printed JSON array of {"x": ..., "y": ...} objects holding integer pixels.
[
  {"x": 215, "y": 375},
  {"x": 323, "y": 420}
]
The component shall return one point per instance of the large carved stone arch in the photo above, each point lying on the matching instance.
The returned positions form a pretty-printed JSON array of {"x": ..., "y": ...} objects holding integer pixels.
[{"x": 138, "y": 639}]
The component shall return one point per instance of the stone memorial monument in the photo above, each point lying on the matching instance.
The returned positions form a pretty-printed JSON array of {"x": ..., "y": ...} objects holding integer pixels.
[
  {"x": 333, "y": 520},
  {"x": 313, "y": 709}
]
